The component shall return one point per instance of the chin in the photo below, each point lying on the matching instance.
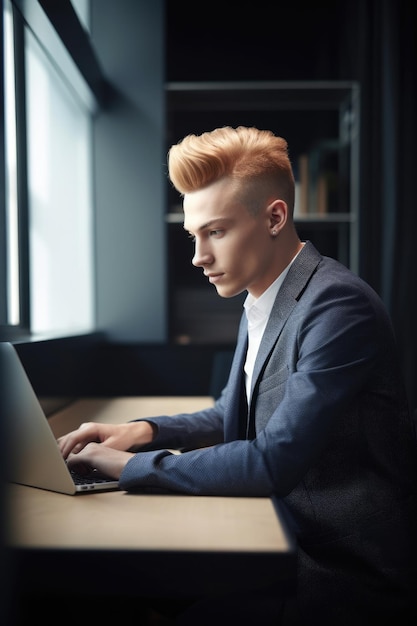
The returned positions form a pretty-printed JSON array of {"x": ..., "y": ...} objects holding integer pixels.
[{"x": 228, "y": 293}]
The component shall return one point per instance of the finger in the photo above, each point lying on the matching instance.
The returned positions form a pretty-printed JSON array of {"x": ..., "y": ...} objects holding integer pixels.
[
  {"x": 70, "y": 444},
  {"x": 81, "y": 467},
  {"x": 76, "y": 440},
  {"x": 78, "y": 447}
]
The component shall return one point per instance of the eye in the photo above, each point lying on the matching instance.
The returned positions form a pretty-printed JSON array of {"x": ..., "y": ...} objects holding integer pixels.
[
  {"x": 216, "y": 233},
  {"x": 192, "y": 237}
]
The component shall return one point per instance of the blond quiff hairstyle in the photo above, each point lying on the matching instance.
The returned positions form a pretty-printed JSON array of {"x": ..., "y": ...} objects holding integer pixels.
[{"x": 243, "y": 154}]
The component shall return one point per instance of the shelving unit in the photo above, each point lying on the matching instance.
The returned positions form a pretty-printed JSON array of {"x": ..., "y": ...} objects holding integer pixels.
[{"x": 320, "y": 121}]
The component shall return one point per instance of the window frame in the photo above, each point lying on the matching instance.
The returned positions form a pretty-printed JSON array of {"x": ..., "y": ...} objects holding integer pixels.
[{"x": 52, "y": 19}]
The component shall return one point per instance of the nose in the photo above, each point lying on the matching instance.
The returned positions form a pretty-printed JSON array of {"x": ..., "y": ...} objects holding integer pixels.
[{"x": 202, "y": 255}]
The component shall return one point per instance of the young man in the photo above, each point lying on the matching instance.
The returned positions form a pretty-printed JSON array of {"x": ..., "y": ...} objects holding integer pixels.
[{"x": 314, "y": 410}]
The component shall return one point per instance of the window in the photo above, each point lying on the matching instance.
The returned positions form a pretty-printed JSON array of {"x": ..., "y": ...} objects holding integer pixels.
[
  {"x": 10, "y": 249},
  {"x": 60, "y": 200},
  {"x": 48, "y": 256}
]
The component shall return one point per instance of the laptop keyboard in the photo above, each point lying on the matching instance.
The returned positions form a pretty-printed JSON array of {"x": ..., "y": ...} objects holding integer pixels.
[{"x": 88, "y": 479}]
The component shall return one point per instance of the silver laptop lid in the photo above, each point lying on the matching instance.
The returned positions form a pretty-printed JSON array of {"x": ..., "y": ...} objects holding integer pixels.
[{"x": 34, "y": 455}]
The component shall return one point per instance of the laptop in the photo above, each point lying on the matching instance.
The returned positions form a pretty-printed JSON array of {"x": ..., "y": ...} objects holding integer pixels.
[{"x": 34, "y": 455}]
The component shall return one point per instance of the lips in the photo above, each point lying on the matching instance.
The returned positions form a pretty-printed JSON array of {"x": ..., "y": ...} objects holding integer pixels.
[{"x": 213, "y": 277}]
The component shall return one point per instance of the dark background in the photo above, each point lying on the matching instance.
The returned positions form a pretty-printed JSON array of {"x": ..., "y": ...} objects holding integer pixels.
[{"x": 254, "y": 40}]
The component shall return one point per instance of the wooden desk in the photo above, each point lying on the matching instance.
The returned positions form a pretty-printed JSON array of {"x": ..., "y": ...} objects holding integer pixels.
[
  {"x": 119, "y": 410},
  {"x": 155, "y": 544}
]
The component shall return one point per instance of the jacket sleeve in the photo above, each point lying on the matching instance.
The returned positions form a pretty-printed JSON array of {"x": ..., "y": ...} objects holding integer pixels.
[{"x": 188, "y": 430}]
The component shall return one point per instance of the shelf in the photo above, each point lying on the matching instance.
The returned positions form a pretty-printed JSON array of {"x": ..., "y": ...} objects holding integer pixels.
[
  {"x": 319, "y": 218},
  {"x": 257, "y": 95}
]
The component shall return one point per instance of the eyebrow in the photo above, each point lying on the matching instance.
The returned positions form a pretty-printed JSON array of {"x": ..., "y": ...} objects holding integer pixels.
[{"x": 208, "y": 224}]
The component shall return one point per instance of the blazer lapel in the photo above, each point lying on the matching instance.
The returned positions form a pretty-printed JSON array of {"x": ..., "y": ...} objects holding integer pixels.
[
  {"x": 294, "y": 284},
  {"x": 235, "y": 410}
]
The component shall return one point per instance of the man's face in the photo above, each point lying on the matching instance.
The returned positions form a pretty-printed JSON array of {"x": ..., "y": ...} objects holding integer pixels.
[{"x": 233, "y": 247}]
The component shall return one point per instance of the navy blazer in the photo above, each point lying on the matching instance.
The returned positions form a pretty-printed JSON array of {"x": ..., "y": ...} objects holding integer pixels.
[{"x": 332, "y": 438}]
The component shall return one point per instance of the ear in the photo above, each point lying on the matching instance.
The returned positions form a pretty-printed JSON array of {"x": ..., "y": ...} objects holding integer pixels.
[{"x": 277, "y": 212}]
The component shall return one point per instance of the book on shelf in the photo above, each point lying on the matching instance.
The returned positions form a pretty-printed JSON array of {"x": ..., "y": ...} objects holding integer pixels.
[{"x": 301, "y": 187}]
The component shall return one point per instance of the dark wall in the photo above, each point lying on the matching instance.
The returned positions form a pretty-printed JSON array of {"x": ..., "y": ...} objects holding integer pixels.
[
  {"x": 296, "y": 40},
  {"x": 92, "y": 366}
]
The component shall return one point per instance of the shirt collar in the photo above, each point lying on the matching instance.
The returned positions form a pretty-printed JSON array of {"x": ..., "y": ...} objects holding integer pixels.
[{"x": 257, "y": 309}]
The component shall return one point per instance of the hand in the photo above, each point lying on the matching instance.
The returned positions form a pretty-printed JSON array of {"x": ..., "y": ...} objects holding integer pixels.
[
  {"x": 117, "y": 436},
  {"x": 98, "y": 456}
]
